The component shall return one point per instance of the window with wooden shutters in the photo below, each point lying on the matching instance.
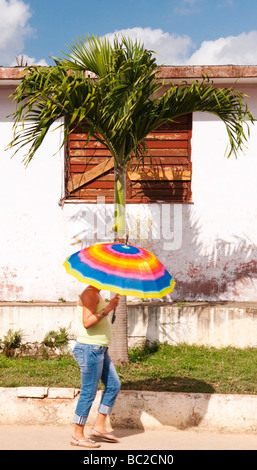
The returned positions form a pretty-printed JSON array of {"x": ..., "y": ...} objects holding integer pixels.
[{"x": 165, "y": 177}]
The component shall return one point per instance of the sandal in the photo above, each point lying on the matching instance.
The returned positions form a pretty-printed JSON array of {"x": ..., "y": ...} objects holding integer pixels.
[
  {"x": 90, "y": 443},
  {"x": 104, "y": 436}
]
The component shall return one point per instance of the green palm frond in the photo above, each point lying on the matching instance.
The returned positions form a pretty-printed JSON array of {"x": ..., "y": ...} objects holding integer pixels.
[
  {"x": 120, "y": 104},
  {"x": 45, "y": 96}
]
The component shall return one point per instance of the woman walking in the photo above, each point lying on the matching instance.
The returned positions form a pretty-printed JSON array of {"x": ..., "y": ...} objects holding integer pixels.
[{"x": 91, "y": 354}]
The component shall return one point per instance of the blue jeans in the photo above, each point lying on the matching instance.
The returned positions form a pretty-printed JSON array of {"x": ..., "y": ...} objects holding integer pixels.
[{"x": 95, "y": 365}]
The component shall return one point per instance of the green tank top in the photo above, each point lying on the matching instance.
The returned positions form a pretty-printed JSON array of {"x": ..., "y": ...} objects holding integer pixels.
[{"x": 100, "y": 334}]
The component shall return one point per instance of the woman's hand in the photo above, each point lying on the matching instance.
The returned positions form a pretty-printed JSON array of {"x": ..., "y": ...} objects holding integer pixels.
[{"x": 112, "y": 304}]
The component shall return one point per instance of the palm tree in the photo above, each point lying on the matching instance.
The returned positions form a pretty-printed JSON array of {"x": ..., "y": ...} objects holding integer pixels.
[{"x": 113, "y": 92}]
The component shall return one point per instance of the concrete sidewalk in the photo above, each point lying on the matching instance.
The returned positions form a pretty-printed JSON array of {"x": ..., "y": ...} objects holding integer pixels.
[{"x": 45, "y": 437}]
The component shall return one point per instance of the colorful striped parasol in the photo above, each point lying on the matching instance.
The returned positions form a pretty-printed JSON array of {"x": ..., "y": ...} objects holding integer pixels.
[{"x": 120, "y": 268}]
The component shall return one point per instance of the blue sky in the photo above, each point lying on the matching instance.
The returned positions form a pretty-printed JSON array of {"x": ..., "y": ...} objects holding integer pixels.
[{"x": 180, "y": 31}]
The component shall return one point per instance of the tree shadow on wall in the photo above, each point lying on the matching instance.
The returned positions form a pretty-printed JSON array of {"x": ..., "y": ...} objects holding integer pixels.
[
  {"x": 227, "y": 271},
  {"x": 221, "y": 271},
  {"x": 218, "y": 272}
]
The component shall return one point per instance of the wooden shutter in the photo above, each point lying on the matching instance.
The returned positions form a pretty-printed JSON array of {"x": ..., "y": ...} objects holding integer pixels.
[
  {"x": 90, "y": 169},
  {"x": 166, "y": 175},
  {"x": 168, "y": 178}
]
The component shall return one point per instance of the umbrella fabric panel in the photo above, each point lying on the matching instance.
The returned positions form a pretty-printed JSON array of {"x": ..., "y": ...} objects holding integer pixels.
[
  {"x": 124, "y": 269},
  {"x": 133, "y": 261},
  {"x": 121, "y": 284}
]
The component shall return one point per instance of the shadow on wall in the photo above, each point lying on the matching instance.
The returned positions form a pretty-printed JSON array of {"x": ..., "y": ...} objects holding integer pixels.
[
  {"x": 141, "y": 409},
  {"x": 223, "y": 270}
]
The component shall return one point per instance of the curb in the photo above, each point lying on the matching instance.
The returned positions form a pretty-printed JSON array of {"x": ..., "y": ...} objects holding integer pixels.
[{"x": 133, "y": 409}]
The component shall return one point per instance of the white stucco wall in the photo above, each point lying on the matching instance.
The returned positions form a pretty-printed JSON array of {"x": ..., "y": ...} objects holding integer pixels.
[{"x": 209, "y": 246}]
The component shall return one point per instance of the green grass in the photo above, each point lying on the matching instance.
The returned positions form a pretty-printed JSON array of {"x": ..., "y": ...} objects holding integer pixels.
[
  {"x": 186, "y": 368},
  {"x": 27, "y": 372},
  {"x": 162, "y": 367}
]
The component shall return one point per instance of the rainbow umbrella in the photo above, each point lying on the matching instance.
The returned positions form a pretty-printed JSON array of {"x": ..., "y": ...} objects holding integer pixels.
[{"x": 121, "y": 268}]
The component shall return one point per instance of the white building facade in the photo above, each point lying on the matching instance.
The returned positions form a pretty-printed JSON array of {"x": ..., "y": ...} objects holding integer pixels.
[{"x": 209, "y": 245}]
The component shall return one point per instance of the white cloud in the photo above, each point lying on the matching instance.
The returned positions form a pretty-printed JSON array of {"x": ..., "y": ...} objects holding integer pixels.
[
  {"x": 171, "y": 48},
  {"x": 180, "y": 50},
  {"x": 237, "y": 50},
  {"x": 14, "y": 29}
]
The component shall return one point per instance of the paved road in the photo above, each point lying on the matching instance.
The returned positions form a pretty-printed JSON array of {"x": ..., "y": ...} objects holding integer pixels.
[{"x": 20, "y": 437}]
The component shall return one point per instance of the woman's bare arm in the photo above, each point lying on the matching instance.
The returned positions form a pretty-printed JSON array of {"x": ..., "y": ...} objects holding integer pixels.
[{"x": 89, "y": 301}]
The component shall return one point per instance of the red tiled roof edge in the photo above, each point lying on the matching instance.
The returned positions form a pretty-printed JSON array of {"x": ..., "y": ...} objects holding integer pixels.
[
  {"x": 214, "y": 71},
  {"x": 11, "y": 73},
  {"x": 170, "y": 71}
]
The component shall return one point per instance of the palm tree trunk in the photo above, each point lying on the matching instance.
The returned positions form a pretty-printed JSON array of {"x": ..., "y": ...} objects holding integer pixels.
[
  {"x": 119, "y": 346},
  {"x": 120, "y": 203}
]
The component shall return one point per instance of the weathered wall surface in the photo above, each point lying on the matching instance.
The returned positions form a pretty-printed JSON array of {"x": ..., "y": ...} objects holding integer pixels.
[
  {"x": 209, "y": 246},
  {"x": 219, "y": 324},
  {"x": 143, "y": 410}
]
